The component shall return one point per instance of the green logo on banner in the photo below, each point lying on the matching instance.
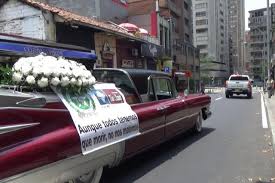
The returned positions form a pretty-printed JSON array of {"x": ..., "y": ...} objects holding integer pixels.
[{"x": 79, "y": 101}]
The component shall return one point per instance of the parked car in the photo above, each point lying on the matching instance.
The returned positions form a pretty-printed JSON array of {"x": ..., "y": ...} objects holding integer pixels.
[
  {"x": 39, "y": 142},
  {"x": 238, "y": 84}
]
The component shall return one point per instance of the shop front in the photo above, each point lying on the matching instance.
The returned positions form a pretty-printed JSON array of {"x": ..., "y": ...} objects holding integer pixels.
[
  {"x": 105, "y": 46},
  {"x": 12, "y": 48},
  {"x": 128, "y": 54}
]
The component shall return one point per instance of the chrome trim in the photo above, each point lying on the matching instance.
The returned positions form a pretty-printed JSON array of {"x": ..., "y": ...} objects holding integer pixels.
[
  {"x": 183, "y": 118},
  {"x": 12, "y": 128}
]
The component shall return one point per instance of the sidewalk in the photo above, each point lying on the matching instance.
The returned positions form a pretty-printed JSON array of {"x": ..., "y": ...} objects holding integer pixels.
[{"x": 270, "y": 106}]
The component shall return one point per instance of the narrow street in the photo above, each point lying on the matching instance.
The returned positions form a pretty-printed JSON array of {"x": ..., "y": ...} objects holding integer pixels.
[{"x": 233, "y": 147}]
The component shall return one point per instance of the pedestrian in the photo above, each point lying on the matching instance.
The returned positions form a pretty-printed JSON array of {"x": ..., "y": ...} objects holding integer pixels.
[
  {"x": 272, "y": 86},
  {"x": 202, "y": 87}
]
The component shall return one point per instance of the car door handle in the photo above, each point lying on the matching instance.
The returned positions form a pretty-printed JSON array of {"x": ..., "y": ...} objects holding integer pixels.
[
  {"x": 166, "y": 106},
  {"x": 161, "y": 108}
]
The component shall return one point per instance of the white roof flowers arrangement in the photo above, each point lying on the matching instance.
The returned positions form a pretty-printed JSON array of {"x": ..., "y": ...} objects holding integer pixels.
[{"x": 44, "y": 71}]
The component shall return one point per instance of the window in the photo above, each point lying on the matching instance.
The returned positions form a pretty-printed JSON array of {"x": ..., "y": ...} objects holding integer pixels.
[
  {"x": 239, "y": 78},
  {"x": 200, "y": 31},
  {"x": 201, "y": 47},
  {"x": 122, "y": 82},
  {"x": 186, "y": 6},
  {"x": 202, "y": 38},
  {"x": 202, "y": 22},
  {"x": 201, "y": 14},
  {"x": 201, "y": 5},
  {"x": 186, "y": 21},
  {"x": 162, "y": 88}
]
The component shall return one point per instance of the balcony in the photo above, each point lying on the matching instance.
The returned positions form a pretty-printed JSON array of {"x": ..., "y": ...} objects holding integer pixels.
[{"x": 168, "y": 4}]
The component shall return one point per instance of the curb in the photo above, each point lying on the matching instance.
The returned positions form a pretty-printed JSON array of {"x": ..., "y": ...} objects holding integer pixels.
[{"x": 271, "y": 119}]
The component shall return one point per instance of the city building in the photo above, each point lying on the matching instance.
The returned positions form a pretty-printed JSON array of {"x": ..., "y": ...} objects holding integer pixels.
[
  {"x": 236, "y": 31},
  {"x": 114, "y": 45},
  {"x": 210, "y": 32},
  {"x": 111, "y": 10},
  {"x": 258, "y": 42},
  {"x": 247, "y": 64},
  {"x": 184, "y": 54}
]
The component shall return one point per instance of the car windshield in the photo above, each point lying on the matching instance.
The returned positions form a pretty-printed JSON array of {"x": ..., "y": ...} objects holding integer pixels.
[
  {"x": 239, "y": 78},
  {"x": 122, "y": 82}
]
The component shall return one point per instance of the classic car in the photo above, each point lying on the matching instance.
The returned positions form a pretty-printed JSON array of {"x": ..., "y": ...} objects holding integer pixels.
[{"x": 39, "y": 141}]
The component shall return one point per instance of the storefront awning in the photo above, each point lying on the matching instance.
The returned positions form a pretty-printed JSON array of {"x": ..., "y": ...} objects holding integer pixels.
[{"x": 32, "y": 50}]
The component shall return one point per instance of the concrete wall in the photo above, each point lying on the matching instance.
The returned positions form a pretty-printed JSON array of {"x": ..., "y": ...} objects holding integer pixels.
[
  {"x": 103, "y": 9},
  {"x": 20, "y": 19},
  {"x": 110, "y": 10},
  {"x": 143, "y": 21},
  {"x": 81, "y": 7}
]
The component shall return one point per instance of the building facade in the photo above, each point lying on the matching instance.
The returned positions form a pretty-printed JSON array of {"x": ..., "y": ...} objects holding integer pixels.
[
  {"x": 112, "y": 10},
  {"x": 247, "y": 63},
  {"x": 258, "y": 42},
  {"x": 210, "y": 32},
  {"x": 236, "y": 30}
]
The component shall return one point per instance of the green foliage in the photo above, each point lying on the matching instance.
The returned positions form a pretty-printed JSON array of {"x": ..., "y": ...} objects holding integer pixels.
[
  {"x": 206, "y": 63},
  {"x": 5, "y": 75}
]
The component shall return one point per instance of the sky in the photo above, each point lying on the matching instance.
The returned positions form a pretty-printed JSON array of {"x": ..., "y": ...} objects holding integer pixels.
[{"x": 252, "y": 5}]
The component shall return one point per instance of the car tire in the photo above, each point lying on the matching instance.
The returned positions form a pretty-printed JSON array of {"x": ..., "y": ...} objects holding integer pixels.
[
  {"x": 198, "y": 125},
  {"x": 90, "y": 177}
]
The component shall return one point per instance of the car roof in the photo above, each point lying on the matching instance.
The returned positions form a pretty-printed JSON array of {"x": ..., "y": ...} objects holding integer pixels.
[
  {"x": 137, "y": 72},
  {"x": 234, "y": 75}
]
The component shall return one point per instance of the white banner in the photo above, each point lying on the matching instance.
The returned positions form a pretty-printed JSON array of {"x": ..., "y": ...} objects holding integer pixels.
[{"x": 101, "y": 116}]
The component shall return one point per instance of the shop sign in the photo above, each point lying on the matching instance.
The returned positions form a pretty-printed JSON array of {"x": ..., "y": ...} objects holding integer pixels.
[
  {"x": 107, "y": 53},
  {"x": 151, "y": 50},
  {"x": 128, "y": 63}
]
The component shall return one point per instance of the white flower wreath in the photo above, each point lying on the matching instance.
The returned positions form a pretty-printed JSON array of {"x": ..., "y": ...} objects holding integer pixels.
[{"x": 43, "y": 71}]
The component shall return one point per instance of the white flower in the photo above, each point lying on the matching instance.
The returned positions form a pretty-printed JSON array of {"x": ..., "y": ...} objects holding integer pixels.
[
  {"x": 43, "y": 82},
  {"x": 36, "y": 71},
  {"x": 85, "y": 81},
  {"x": 26, "y": 69},
  {"x": 30, "y": 80},
  {"x": 73, "y": 81},
  {"x": 17, "y": 77},
  {"x": 92, "y": 80},
  {"x": 55, "y": 81},
  {"x": 79, "y": 82},
  {"x": 17, "y": 66},
  {"x": 65, "y": 81},
  {"x": 46, "y": 71},
  {"x": 87, "y": 74}
]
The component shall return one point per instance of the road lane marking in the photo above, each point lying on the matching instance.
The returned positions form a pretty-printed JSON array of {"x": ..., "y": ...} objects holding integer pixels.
[
  {"x": 218, "y": 98},
  {"x": 264, "y": 118}
]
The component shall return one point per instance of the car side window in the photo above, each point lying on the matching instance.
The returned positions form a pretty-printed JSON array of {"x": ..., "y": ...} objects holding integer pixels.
[{"x": 162, "y": 88}]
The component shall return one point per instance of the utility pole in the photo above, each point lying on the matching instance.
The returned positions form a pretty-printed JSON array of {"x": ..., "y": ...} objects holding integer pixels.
[{"x": 268, "y": 50}]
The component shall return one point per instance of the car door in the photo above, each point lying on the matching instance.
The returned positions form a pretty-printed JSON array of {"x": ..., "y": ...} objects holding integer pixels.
[
  {"x": 175, "y": 107},
  {"x": 151, "y": 124}
]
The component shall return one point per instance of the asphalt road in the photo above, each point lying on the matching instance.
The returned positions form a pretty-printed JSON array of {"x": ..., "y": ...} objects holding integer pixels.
[{"x": 233, "y": 148}]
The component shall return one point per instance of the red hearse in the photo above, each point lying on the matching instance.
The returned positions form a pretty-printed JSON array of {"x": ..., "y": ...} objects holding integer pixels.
[{"x": 39, "y": 141}]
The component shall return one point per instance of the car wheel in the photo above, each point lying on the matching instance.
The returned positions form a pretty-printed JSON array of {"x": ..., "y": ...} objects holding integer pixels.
[
  {"x": 90, "y": 177},
  {"x": 198, "y": 125}
]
